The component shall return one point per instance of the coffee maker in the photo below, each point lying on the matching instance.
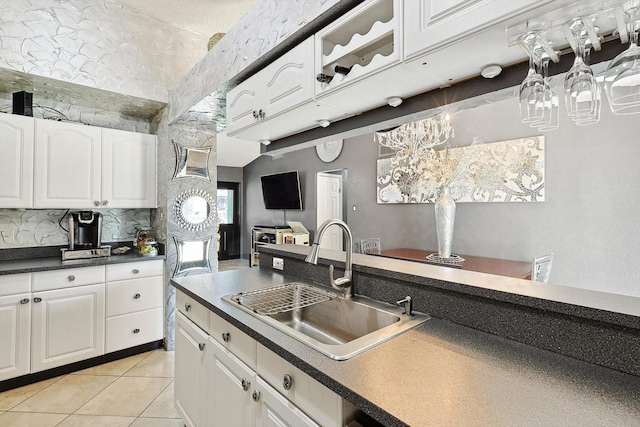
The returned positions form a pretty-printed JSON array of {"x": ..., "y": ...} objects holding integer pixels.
[{"x": 85, "y": 228}]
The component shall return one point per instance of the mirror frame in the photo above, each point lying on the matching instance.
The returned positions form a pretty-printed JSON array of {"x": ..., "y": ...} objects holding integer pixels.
[
  {"x": 188, "y": 165},
  {"x": 184, "y": 222}
]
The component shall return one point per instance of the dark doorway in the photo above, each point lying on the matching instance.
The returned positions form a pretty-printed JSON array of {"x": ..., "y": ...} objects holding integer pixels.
[{"x": 228, "y": 214}]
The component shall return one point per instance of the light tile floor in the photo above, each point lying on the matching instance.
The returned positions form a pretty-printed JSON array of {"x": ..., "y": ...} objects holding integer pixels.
[
  {"x": 233, "y": 264},
  {"x": 136, "y": 391}
]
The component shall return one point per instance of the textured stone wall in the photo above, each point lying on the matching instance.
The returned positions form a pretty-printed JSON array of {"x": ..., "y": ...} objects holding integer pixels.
[
  {"x": 34, "y": 227},
  {"x": 99, "y": 44}
]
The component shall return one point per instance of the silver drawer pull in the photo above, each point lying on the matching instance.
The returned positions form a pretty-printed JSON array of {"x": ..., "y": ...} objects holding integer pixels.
[
  {"x": 201, "y": 346},
  {"x": 187, "y": 307},
  {"x": 136, "y": 331},
  {"x": 245, "y": 384},
  {"x": 256, "y": 395},
  {"x": 24, "y": 300},
  {"x": 37, "y": 299},
  {"x": 226, "y": 336},
  {"x": 287, "y": 382},
  {"x": 135, "y": 271},
  {"x": 71, "y": 278},
  {"x": 105, "y": 203},
  {"x": 136, "y": 296},
  {"x": 97, "y": 203}
]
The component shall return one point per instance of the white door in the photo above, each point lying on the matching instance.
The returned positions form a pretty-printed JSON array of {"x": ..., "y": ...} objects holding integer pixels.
[
  {"x": 329, "y": 206},
  {"x": 232, "y": 383},
  {"x": 191, "y": 375},
  {"x": 276, "y": 411},
  {"x": 128, "y": 169},
  {"x": 16, "y": 152},
  {"x": 15, "y": 334},
  {"x": 67, "y": 326},
  {"x": 67, "y": 165}
]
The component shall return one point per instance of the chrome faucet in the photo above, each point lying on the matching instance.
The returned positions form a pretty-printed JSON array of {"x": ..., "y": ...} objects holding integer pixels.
[{"x": 344, "y": 284}]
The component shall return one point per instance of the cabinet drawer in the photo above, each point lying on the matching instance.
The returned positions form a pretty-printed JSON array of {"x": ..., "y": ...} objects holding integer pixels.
[
  {"x": 233, "y": 339},
  {"x": 67, "y": 278},
  {"x": 313, "y": 398},
  {"x": 193, "y": 310},
  {"x": 15, "y": 284},
  {"x": 128, "y": 296},
  {"x": 129, "y": 330},
  {"x": 133, "y": 270}
]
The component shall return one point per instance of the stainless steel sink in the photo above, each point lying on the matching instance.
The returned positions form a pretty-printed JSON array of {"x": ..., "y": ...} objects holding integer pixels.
[{"x": 336, "y": 327}]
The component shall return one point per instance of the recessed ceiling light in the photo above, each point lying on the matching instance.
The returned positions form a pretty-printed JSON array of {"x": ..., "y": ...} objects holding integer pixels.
[
  {"x": 491, "y": 71},
  {"x": 394, "y": 101}
]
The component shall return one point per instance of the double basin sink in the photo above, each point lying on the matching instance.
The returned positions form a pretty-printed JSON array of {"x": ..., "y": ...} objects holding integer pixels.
[{"x": 336, "y": 327}]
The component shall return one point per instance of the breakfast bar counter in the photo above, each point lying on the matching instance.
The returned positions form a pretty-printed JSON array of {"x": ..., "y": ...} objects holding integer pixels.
[{"x": 440, "y": 373}]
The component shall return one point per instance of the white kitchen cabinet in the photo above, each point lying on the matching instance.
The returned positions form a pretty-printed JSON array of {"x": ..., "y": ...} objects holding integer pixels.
[
  {"x": 67, "y": 326},
  {"x": 16, "y": 152},
  {"x": 128, "y": 169},
  {"x": 191, "y": 391},
  {"x": 275, "y": 410},
  {"x": 432, "y": 24},
  {"x": 134, "y": 304},
  {"x": 256, "y": 107},
  {"x": 15, "y": 334},
  {"x": 231, "y": 385},
  {"x": 77, "y": 167}
]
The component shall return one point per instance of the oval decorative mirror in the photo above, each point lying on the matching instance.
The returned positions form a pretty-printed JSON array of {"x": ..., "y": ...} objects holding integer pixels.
[{"x": 194, "y": 209}]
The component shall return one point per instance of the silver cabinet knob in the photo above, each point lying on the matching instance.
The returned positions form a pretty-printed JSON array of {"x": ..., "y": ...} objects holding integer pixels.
[
  {"x": 97, "y": 203},
  {"x": 24, "y": 300},
  {"x": 37, "y": 299},
  {"x": 136, "y": 331},
  {"x": 136, "y": 296},
  {"x": 287, "y": 382},
  {"x": 256, "y": 395},
  {"x": 105, "y": 202},
  {"x": 71, "y": 278},
  {"x": 245, "y": 384},
  {"x": 187, "y": 307},
  {"x": 226, "y": 336},
  {"x": 201, "y": 346},
  {"x": 135, "y": 271}
]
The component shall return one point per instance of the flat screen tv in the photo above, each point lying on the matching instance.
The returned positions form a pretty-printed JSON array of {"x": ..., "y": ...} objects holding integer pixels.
[{"x": 282, "y": 191}]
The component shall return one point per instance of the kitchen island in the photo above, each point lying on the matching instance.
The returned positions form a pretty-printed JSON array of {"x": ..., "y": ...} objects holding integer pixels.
[{"x": 439, "y": 373}]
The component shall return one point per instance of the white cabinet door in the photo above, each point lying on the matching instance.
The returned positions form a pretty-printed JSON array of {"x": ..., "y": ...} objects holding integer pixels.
[
  {"x": 67, "y": 326},
  {"x": 191, "y": 372},
  {"x": 15, "y": 334},
  {"x": 232, "y": 383},
  {"x": 128, "y": 169},
  {"x": 67, "y": 165},
  {"x": 16, "y": 153},
  {"x": 287, "y": 83},
  {"x": 276, "y": 411},
  {"x": 431, "y": 24}
]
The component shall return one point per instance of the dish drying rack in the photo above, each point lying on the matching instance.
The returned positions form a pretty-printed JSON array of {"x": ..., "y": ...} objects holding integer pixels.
[{"x": 282, "y": 298}]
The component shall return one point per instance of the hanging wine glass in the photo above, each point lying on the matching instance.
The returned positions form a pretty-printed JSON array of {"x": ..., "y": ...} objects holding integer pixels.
[
  {"x": 532, "y": 87},
  {"x": 622, "y": 78},
  {"x": 550, "y": 102},
  {"x": 581, "y": 88},
  {"x": 594, "y": 116}
]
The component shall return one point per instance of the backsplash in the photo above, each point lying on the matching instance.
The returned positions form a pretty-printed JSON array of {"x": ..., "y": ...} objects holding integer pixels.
[{"x": 30, "y": 227}]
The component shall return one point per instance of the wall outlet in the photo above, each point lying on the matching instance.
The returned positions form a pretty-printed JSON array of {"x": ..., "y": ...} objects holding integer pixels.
[{"x": 278, "y": 263}]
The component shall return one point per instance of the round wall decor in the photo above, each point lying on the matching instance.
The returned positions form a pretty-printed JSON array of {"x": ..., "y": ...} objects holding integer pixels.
[
  {"x": 329, "y": 151},
  {"x": 194, "y": 209}
]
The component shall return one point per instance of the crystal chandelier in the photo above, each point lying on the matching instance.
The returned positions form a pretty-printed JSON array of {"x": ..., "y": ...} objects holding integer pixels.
[{"x": 415, "y": 139}]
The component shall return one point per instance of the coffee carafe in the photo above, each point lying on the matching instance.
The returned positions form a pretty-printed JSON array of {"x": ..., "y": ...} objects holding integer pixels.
[{"x": 85, "y": 230}]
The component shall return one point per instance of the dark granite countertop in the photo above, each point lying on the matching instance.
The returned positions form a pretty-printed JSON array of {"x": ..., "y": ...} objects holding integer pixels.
[
  {"x": 30, "y": 265},
  {"x": 441, "y": 373}
]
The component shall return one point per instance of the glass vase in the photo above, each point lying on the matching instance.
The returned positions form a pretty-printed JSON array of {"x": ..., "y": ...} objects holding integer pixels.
[{"x": 445, "y": 210}]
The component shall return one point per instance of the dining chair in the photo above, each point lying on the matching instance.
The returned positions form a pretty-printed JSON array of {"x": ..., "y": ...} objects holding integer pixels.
[
  {"x": 370, "y": 246},
  {"x": 541, "y": 268}
]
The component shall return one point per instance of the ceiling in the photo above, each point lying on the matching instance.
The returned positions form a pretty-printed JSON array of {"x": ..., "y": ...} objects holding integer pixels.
[{"x": 205, "y": 17}]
